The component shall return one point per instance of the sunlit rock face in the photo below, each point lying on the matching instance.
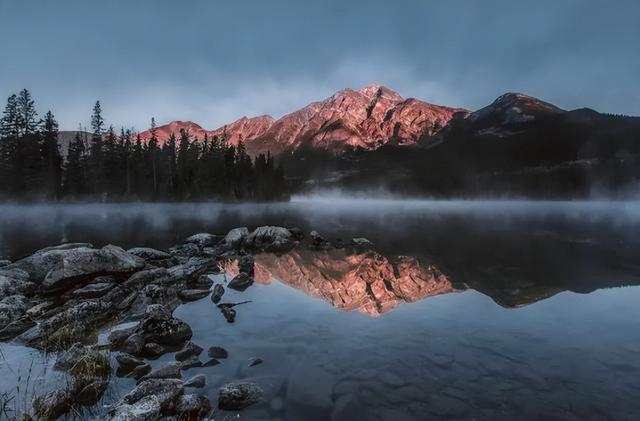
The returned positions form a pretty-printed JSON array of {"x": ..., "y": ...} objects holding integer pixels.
[
  {"x": 369, "y": 282},
  {"x": 164, "y": 132},
  {"x": 365, "y": 118}
]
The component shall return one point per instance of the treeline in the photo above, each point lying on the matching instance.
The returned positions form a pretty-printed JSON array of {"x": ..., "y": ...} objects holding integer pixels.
[{"x": 106, "y": 165}]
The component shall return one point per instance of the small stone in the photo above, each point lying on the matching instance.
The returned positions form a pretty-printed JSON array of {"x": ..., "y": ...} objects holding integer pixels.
[
  {"x": 202, "y": 282},
  {"x": 191, "y": 362},
  {"x": 169, "y": 371},
  {"x": 212, "y": 362},
  {"x": 255, "y": 361},
  {"x": 134, "y": 344},
  {"x": 128, "y": 361},
  {"x": 189, "y": 350},
  {"x": 140, "y": 371},
  {"x": 193, "y": 294},
  {"x": 235, "y": 396},
  {"x": 217, "y": 352},
  {"x": 241, "y": 282},
  {"x": 91, "y": 393},
  {"x": 229, "y": 314},
  {"x": 153, "y": 349},
  {"x": 218, "y": 292},
  {"x": 197, "y": 382}
]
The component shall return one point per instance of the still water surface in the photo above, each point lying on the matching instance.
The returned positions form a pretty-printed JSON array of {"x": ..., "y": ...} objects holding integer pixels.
[{"x": 535, "y": 315}]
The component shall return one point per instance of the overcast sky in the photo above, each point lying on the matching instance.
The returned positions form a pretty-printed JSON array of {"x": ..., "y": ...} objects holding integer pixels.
[{"x": 215, "y": 61}]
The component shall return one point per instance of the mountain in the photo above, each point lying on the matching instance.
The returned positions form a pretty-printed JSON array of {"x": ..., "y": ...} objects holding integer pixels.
[
  {"x": 366, "y": 118},
  {"x": 516, "y": 146}
]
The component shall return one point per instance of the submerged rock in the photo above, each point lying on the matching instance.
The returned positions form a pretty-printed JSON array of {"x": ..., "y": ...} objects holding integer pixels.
[
  {"x": 236, "y": 396},
  {"x": 270, "y": 238},
  {"x": 197, "y": 382},
  {"x": 255, "y": 361},
  {"x": 217, "y": 352},
  {"x": 192, "y": 407}
]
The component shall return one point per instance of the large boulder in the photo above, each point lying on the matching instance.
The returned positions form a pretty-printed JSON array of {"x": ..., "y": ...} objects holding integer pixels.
[
  {"x": 192, "y": 407},
  {"x": 14, "y": 281},
  {"x": 42, "y": 261},
  {"x": 203, "y": 239},
  {"x": 235, "y": 237},
  {"x": 270, "y": 238},
  {"x": 78, "y": 265}
]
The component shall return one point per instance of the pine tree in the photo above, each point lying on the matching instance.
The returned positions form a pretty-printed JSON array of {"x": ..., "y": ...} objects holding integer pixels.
[
  {"x": 153, "y": 155},
  {"x": 28, "y": 117},
  {"x": 51, "y": 156},
  {"x": 183, "y": 164},
  {"x": 10, "y": 123},
  {"x": 170, "y": 158},
  {"x": 74, "y": 169},
  {"x": 96, "y": 169}
]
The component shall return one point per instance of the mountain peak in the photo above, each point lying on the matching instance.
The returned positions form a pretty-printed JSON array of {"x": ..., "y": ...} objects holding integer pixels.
[{"x": 375, "y": 90}]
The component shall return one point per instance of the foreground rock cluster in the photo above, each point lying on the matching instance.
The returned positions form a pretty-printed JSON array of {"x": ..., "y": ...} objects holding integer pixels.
[{"x": 59, "y": 297}]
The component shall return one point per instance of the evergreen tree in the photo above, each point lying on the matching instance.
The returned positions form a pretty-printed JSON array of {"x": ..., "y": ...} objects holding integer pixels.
[
  {"x": 74, "y": 169},
  {"x": 51, "y": 156},
  {"x": 96, "y": 169},
  {"x": 28, "y": 117},
  {"x": 11, "y": 121}
]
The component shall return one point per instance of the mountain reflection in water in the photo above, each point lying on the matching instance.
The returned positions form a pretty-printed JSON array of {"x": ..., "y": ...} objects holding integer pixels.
[{"x": 374, "y": 284}]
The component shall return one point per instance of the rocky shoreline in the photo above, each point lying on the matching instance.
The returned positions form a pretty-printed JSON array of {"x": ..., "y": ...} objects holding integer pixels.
[{"x": 60, "y": 297}]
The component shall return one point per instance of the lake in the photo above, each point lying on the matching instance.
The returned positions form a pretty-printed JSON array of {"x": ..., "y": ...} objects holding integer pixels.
[{"x": 485, "y": 310}]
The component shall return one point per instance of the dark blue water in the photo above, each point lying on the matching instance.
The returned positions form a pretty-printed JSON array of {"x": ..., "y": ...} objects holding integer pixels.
[{"x": 542, "y": 321}]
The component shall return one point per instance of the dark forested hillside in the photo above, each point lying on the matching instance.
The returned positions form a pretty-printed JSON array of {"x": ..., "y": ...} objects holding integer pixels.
[
  {"x": 105, "y": 165},
  {"x": 517, "y": 146}
]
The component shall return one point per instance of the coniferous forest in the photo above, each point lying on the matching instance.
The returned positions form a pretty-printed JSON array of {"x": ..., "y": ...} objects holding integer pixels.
[{"x": 116, "y": 166}]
